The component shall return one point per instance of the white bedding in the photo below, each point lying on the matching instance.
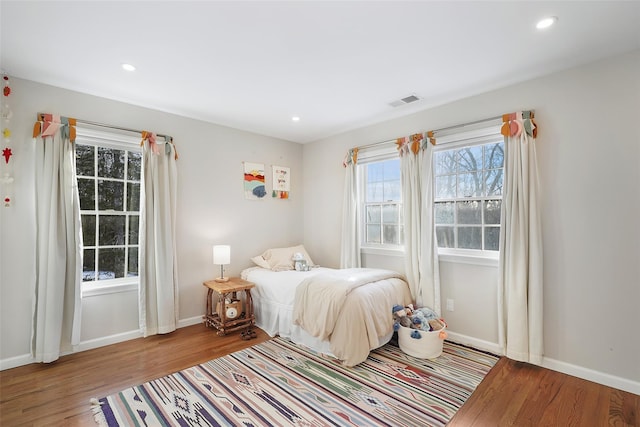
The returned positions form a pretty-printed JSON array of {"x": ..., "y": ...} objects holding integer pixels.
[{"x": 274, "y": 296}]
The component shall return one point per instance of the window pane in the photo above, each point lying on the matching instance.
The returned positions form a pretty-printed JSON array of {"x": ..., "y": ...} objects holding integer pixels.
[
  {"x": 445, "y": 162},
  {"x": 110, "y": 163},
  {"x": 470, "y": 159},
  {"x": 133, "y": 263},
  {"x": 493, "y": 182},
  {"x": 390, "y": 234},
  {"x": 390, "y": 214},
  {"x": 111, "y": 230},
  {"x": 373, "y": 214},
  {"x": 392, "y": 191},
  {"x": 375, "y": 172},
  {"x": 88, "y": 265},
  {"x": 494, "y": 155},
  {"x": 445, "y": 187},
  {"x": 374, "y": 192},
  {"x": 391, "y": 169},
  {"x": 373, "y": 234},
  {"x": 382, "y": 205},
  {"x": 444, "y": 212},
  {"x": 87, "y": 193},
  {"x": 88, "y": 230},
  {"x": 492, "y": 211},
  {"x": 469, "y": 212},
  {"x": 133, "y": 197},
  {"x": 134, "y": 165},
  {"x": 134, "y": 229},
  {"x": 470, "y": 237},
  {"x": 491, "y": 238},
  {"x": 85, "y": 165},
  {"x": 110, "y": 195},
  {"x": 473, "y": 179},
  {"x": 445, "y": 237},
  {"x": 469, "y": 184},
  {"x": 110, "y": 263}
]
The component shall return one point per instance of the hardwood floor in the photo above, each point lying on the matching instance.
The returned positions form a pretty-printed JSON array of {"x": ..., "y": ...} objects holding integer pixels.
[
  {"x": 513, "y": 394},
  {"x": 58, "y": 394},
  {"x": 520, "y": 394}
]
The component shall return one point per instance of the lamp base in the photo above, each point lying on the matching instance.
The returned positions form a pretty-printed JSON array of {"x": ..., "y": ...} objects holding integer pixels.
[{"x": 221, "y": 279}]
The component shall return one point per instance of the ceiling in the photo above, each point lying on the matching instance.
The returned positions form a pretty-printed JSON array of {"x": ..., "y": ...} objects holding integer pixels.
[{"x": 336, "y": 64}]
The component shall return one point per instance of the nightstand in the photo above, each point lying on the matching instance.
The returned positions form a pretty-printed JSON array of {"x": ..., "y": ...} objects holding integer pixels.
[{"x": 224, "y": 318}]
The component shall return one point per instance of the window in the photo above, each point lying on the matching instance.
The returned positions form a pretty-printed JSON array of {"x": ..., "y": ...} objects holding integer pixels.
[
  {"x": 382, "y": 208},
  {"x": 108, "y": 176},
  {"x": 468, "y": 195}
]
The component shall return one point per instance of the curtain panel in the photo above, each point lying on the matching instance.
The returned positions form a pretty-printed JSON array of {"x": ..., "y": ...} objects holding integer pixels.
[
  {"x": 57, "y": 292},
  {"x": 350, "y": 243},
  {"x": 520, "y": 284},
  {"x": 420, "y": 246},
  {"x": 158, "y": 291}
]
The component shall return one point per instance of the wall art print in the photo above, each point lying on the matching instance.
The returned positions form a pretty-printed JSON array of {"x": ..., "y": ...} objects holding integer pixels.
[
  {"x": 254, "y": 188},
  {"x": 281, "y": 182}
]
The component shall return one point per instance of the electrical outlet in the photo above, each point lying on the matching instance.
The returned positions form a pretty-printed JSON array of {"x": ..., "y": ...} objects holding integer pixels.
[{"x": 449, "y": 304}]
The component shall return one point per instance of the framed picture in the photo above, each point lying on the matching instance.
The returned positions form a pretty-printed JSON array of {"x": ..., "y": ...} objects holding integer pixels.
[
  {"x": 254, "y": 181},
  {"x": 281, "y": 182}
]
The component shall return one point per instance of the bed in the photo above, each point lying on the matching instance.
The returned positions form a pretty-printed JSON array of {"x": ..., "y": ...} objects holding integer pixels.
[{"x": 342, "y": 313}]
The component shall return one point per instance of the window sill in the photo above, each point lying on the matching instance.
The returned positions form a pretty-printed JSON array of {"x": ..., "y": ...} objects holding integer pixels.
[
  {"x": 459, "y": 257},
  {"x": 91, "y": 289},
  {"x": 367, "y": 250}
]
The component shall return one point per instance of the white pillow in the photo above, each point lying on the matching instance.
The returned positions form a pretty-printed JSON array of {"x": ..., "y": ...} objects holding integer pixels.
[
  {"x": 281, "y": 259},
  {"x": 260, "y": 262}
]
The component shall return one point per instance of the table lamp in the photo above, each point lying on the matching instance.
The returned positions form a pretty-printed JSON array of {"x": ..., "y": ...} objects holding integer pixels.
[{"x": 222, "y": 256}]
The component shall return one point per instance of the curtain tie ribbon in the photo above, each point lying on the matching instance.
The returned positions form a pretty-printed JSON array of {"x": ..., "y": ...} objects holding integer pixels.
[{"x": 151, "y": 137}]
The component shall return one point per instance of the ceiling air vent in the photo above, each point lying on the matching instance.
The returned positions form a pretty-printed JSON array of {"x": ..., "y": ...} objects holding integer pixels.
[{"x": 403, "y": 101}]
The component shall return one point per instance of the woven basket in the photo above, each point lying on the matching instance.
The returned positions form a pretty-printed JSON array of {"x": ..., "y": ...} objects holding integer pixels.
[{"x": 427, "y": 347}]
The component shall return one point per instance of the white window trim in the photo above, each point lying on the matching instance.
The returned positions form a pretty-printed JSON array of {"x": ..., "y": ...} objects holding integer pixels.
[
  {"x": 87, "y": 135},
  {"x": 469, "y": 256},
  {"x": 479, "y": 134},
  {"x": 113, "y": 286},
  {"x": 389, "y": 250}
]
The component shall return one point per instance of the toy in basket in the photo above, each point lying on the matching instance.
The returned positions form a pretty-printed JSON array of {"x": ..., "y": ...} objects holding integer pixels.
[{"x": 420, "y": 331}]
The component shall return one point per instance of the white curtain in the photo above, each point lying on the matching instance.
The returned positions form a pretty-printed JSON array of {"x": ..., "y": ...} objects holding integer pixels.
[
  {"x": 350, "y": 246},
  {"x": 520, "y": 314},
  {"x": 421, "y": 254},
  {"x": 57, "y": 294},
  {"x": 158, "y": 292}
]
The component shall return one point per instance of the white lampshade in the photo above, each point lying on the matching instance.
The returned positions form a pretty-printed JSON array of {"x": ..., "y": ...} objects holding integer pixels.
[{"x": 222, "y": 254}]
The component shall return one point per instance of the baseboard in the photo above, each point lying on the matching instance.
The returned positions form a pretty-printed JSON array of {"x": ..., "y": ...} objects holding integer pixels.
[
  {"x": 591, "y": 375},
  {"x": 25, "y": 359},
  {"x": 556, "y": 365},
  {"x": 111, "y": 339},
  {"x": 14, "y": 362},
  {"x": 474, "y": 342},
  {"x": 182, "y": 323}
]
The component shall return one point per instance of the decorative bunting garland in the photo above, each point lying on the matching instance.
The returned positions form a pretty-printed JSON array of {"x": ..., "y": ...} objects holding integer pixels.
[
  {"x": 515, "y": 123},
  {"x": 7, "y": 152}
]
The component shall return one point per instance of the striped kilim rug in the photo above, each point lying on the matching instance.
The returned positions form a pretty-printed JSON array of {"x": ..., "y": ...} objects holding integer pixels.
[{"x": 277, "y": 383}]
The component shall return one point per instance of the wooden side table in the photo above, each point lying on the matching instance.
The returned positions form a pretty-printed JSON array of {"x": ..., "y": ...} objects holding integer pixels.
[{"x": 218, "y": 319}]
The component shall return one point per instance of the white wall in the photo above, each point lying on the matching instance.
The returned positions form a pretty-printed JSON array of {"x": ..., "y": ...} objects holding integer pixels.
[
  {"x": 589, "y": 155},
  {"x": 211, "y": 209}
]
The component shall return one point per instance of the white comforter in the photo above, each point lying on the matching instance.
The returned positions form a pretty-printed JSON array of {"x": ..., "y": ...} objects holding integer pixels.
[{"x": 350, "y": 308}]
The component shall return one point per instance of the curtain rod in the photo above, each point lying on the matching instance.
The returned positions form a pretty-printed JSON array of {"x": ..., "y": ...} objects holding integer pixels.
[
  {"x": 462, "y": 125},
  {"x": 87, "y": 122}
]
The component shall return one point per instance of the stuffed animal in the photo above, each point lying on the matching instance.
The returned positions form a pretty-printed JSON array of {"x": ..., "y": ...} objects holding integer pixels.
[
  {"x": 423, "y": 319},
  {"x": 400, "y": 317}
]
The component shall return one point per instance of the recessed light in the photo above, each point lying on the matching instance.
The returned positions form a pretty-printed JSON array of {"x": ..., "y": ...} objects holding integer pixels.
[
  {"x": 545, "y": 23},
  {"x": 128, "y": 67},
  {"x": 295, "y": 119}
]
